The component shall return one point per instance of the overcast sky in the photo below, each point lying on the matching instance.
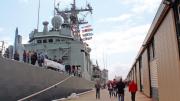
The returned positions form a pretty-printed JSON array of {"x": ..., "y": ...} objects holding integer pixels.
[{"x": 120, "y": 27}]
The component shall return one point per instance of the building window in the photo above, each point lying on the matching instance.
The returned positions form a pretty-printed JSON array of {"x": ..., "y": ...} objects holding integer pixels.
[
  {"x": 50, "y": 40},
  {"x": 44, "y": 41},
  {"x": 39, "y": 41}
]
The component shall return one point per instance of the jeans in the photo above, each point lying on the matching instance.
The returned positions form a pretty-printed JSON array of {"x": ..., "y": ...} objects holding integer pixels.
[
  {"x": 97, "y": 93},
  {"x": 133, "y": 96},
  {"x": 120, "y": 97},
  {"x": 110, "y": 93}
]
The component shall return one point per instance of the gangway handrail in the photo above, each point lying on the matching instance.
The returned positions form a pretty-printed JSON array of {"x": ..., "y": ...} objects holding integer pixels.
[{"x": 30, "y": 96}]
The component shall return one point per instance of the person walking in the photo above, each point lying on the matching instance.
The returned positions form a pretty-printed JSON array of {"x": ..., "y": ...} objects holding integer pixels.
[
  {"x": 24, "y": 56},
  {"x": 97, "y": 86},
  {"x": 114, "y": 84},
  {"x": 28, "y": 57},
  {"x": 110, "y": 88},
  {"x": 133, "y": 89},
  {"x": 33, "y": 58},
  {"x": 16, "y": 56},
  {"x": 120, "y": 90},
  {"x": 39, "y": 60}
]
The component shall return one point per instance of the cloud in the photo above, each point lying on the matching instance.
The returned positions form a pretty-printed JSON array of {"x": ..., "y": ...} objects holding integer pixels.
[
  {"x": 25, "y": 40},
  {"x": 6, "y": 39},
  {"x": 125, "y": 38},
  {"x": 120, "y": 42},
  {"x": 142, "y": 6},
  {"x": 129, "y": 39},
  {"x": 64, "y": 1},
  {"x": 122, "y": 17},
  {"x": 24, "y": 1},
  {"x": 118, "y": 69},
  {"x": 1, "y": 29}
]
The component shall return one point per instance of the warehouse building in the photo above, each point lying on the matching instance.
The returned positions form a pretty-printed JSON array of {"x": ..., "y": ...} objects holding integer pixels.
[{"x": 156, "y": 68}]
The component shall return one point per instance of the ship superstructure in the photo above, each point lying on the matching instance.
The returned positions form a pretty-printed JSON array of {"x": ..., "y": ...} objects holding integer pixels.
[{"x": 63, "y": 42}]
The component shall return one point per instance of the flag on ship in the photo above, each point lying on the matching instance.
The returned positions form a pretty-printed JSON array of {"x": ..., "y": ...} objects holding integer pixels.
[
  {"x": 87, "y": 34},
  {"x": 87, "y": 30},
  {"x": 87, "y": 38},
  {"x": 87, "y": 26}
]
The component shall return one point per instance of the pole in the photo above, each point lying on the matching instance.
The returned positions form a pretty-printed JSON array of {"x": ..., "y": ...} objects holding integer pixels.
[
  {"x": 38, "y": 15},
  {"x": 54, "y": 7}
]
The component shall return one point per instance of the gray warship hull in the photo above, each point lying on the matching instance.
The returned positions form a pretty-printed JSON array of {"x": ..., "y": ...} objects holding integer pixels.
[{"x": 18, "y": 80}]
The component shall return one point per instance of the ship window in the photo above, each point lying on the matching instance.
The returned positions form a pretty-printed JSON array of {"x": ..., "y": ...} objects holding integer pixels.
[
  {"x": 45, "y": 41},
  {"x": 57, "y": 40},
  {"x": 50, "y": 40},
  {"x": 39, "y": 41},
  {"x": 65, "y": 58}
]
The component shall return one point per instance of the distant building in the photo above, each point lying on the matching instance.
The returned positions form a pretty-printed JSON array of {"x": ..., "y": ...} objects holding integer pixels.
[
  {"x": 104, "y": 76},
  {"x": 96, "y": 73},
  {"x": 10, "y": 48},
  {"x": 18, "y": 46},
  {"x": 1, "y": 48}
]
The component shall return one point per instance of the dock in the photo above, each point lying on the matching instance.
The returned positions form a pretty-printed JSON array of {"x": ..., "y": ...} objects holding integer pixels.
[{"x": 90, "y": 96}]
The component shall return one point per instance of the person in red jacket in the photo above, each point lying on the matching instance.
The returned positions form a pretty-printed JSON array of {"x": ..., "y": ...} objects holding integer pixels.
[{"x": 133, "y": 89}]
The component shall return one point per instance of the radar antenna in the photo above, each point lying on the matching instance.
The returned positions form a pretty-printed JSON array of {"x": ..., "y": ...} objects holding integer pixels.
[{"x": 75, "y": 21}]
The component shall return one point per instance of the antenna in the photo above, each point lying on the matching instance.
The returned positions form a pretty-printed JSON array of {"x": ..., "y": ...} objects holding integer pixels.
[
  {"x": 75, "y": 21},
  {"x": 74, "y": 4},
  {"x": 103, "y": 59},
  {"x": 106, "y": 61},
  {"x": 38, "y": 14},
  {"x": 54, "y": 7}
]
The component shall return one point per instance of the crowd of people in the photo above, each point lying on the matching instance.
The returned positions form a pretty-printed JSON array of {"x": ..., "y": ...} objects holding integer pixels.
[
  {"x": 116, "y": 89},
  {"x": 73, "y": 70},
  {"x": 33, "y": 57}
]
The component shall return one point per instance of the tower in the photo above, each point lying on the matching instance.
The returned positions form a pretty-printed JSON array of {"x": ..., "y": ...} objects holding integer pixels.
[{"x": 15, "y": 40}]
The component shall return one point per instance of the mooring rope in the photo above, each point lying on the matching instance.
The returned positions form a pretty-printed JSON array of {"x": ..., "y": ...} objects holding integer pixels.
[{"x": 25, "y": 98}]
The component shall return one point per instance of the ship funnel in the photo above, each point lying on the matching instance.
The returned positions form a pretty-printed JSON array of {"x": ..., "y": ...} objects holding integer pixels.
[{"x": 45, "y": 23}]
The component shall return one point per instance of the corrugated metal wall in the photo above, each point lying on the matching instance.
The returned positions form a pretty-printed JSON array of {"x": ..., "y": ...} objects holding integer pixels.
[
  {"x": 141, "y": 73},
  {"x": 134, "y": 71},
  {"x": 154, "y": 75},
  {"x": 166, "y": 49},
  {"x": 146, "y": 81},
  {"x": 154, "y": 79},
  {"x": 138, "y": 75}
]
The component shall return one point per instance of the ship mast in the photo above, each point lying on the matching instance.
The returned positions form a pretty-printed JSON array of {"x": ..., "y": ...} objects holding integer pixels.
[
  {"x": 38, "y": 15},
  {"x": 74, "y": 19}
]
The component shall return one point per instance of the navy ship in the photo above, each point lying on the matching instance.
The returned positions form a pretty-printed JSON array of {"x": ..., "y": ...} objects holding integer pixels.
[{"x": 25, "y": 82}]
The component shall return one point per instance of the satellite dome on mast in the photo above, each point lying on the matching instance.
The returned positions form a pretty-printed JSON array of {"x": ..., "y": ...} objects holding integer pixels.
[{"x": 56, "y": 22}]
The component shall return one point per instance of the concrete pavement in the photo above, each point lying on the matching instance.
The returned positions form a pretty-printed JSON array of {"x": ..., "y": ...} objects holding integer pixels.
[{"x": 105, "y": 97}]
